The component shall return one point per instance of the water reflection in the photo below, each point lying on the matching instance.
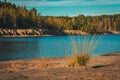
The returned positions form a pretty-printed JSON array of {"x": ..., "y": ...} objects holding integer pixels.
[{"x": 18, "y": 49}]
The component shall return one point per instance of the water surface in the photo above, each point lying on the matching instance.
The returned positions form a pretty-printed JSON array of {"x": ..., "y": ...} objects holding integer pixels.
[{"x": 53, "y": 46}]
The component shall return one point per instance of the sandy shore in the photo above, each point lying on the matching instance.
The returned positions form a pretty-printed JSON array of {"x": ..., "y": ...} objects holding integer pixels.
[
  {"x": 11, "y": 36},
  {"x": 99, "y": 68},
  {"x": 66, "y": 33}
]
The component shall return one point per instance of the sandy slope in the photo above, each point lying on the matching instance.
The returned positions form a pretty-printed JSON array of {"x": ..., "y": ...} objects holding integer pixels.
[{"x": 98, "y": 68}]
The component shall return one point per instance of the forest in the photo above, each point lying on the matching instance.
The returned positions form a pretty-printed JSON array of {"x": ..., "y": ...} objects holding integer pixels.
[{"x": 19, "y": 17}]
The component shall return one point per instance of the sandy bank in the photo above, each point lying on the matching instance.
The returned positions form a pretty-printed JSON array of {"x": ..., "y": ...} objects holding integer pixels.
[
  {"x": 40, "y": 32},
  {"x": 12, "y": 36},
  {"x": 98, "y": 68}
]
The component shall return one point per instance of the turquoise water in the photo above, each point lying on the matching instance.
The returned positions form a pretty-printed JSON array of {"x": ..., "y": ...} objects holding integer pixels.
[{"x": 53, "y": 46}]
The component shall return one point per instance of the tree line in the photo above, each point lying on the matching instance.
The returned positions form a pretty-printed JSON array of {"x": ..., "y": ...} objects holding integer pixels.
[{"x": 19, "y": 17}]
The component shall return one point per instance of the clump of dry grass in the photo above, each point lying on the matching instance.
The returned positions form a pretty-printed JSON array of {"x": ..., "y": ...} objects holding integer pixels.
[
  {"x": 82, "y": 50},
  {"x": 80, "y": 60}
]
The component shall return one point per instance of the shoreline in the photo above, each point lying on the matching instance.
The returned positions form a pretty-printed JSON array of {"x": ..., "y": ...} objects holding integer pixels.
[
  {"x": 40, "y": 32},
  {"x": 22, "y": 36},
  {"x": 108, "y": 54}
]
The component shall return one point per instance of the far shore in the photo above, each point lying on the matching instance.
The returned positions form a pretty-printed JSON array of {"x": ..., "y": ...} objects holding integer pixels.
[
  {"x": 8, "y": 36},
  {"x": 13, "y": 36},
  {"x": 40, "y": 32}
]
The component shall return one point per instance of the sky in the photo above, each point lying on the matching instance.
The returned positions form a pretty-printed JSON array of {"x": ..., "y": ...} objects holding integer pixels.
[{"x": 71, "y": 7}]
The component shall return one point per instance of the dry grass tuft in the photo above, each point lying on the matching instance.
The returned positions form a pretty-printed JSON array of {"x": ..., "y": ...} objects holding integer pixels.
[{"x": 82, "y": 48}]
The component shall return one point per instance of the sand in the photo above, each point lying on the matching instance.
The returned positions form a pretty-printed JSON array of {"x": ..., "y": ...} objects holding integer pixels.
[{"x": 105, "y": 67}]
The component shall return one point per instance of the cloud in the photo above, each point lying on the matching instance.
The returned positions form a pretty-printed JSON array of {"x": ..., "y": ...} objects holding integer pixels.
[{"x": 34, "y": 3}]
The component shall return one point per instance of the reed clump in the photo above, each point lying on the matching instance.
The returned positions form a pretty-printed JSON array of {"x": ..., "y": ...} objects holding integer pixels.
[
  {"x": 80, "y": 60},
  {"x": 82, "y": 49}
]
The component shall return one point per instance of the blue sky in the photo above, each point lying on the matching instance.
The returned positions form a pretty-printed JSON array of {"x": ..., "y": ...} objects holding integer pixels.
[{"x": 71, "y": 7}]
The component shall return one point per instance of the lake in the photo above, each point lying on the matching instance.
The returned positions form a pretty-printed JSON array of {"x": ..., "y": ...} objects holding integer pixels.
[{"x": 54, "y": 46}]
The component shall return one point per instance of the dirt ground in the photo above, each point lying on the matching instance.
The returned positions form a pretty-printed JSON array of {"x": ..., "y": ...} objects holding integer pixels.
[{"x": 105, "y": 67}]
